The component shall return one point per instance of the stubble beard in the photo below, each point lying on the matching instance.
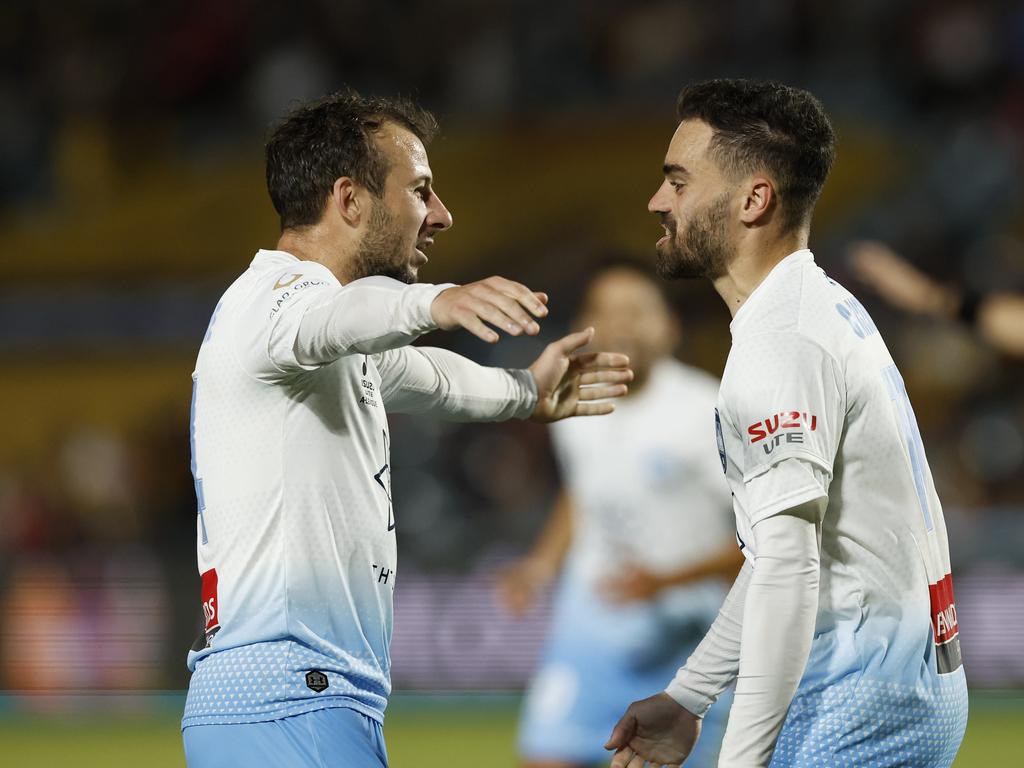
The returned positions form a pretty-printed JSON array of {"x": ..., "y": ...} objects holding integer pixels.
[
  {"x": 382, "y": 252},
  {"x": 700, "y": 250}
]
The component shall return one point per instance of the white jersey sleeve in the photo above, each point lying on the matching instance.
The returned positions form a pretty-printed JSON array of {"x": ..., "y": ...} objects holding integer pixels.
[
  {"x": 788, "y": 400},
  {"x": 783, "y": 592},
  {"x": 422, "y": 379},
  {"x": 302, "y": 320},
  {"x": 715, "y": 663}
]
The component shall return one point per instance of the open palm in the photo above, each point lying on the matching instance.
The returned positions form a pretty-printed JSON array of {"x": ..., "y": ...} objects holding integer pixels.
[{"x": 571, "y": 385}]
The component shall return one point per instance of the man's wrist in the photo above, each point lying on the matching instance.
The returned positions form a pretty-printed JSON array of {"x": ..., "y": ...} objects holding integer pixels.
[
  {"x": 528, "y": 392},
  {"x": 541, "y": 569},
  {"x": 430, "y": 296},
  {"x": 694, "y": 702}
]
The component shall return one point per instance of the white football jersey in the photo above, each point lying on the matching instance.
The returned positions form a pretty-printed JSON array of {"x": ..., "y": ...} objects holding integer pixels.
[
  {"x": 809, "y": 377},
  {"x": 296, "y": 529},
  {"x": 645, "y": 481}
]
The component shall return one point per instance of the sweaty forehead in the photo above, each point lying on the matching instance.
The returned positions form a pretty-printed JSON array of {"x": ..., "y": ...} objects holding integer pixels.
[
  {"x": 404, "y": 151},
  {"x": 689, "y": 145}
]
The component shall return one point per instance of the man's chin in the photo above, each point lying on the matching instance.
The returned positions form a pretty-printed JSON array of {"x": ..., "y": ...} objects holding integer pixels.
[{"x": 671, "y": 265}]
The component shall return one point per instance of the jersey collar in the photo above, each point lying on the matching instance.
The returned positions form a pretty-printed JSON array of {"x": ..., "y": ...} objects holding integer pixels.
[
  {"x": 778, "y": 272},
  {"x": 265, "y": 254}
]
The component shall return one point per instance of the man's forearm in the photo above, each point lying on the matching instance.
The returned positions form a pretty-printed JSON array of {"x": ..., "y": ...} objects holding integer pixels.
[
  {"x": 556, "y": 536},
  {"x": 365, "y": 317},
  {"x": 778, "y": 626},
  {"x": 724, "y": 564},
  {"x": 426, "y": 379},
  {"x": 715, "y": 663}
]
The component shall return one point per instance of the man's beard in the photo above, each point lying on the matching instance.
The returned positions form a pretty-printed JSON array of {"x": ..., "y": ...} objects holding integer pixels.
[
  {"x": 382, "y": 251},
  {"x": 702, "y": 251}
]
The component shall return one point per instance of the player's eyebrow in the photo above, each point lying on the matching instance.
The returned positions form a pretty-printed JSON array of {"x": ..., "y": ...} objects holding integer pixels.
[
  {"x": 674, "y": 168},
  {"x": 423, "y": 178}
]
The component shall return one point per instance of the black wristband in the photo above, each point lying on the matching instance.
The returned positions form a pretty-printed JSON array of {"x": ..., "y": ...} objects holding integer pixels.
[{"x": 970, "y": 303}]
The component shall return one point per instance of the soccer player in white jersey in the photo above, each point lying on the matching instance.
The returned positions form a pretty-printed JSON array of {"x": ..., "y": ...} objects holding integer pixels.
[
  {"x": 629, "y": 608},
  {"x": 841, "y": 629},
  {"x": 305, "y": 354}
]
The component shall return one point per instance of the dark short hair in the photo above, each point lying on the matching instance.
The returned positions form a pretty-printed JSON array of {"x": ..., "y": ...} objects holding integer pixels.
[
  {"x": 318, "y": 143},
  {"x": 767, "y": 127}
]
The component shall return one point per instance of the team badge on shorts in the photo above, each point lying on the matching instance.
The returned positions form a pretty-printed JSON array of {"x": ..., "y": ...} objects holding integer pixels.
[{"x": 316, "y": 680}]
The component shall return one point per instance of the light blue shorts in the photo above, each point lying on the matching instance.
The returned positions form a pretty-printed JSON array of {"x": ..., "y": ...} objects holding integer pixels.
[
  {"x": 865, "y": 723},
  {"x": 326, "y": 738},
  {"x": 599, "y": 658}
]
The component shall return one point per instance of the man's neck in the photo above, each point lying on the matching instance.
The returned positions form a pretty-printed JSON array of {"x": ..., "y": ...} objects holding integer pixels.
[
  {"x": 316, "y": 244},
  {"x": 754, "y": 260}
]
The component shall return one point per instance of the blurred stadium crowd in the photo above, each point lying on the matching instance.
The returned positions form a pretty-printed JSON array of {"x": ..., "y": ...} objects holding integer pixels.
[{"x": 131, "y": 193}]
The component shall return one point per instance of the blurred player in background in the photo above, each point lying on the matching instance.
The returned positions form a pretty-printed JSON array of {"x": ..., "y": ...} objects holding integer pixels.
[
  {"x": 841, "y": 630},
  {"x": 997, "y": 317},
  {"x": 642, "y": 532},
  {"x": 305, "y": 354}
]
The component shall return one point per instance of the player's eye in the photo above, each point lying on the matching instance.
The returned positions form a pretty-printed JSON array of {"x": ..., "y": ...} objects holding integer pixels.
[
  {"x": 677, "y": 185},
  {"x": 424, "y": 193}
]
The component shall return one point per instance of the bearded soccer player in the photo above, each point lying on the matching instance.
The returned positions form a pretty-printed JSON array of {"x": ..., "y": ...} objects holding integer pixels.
[
  {"x": 840, "y": 630},
  {"x": 305, "y": 354}
]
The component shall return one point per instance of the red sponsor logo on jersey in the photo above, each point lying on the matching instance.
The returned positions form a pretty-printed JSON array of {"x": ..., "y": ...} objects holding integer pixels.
[
  {"x": 944, "y": 621},
  {"x": 210, "y": 603},
  {"x": 759, "y": 430},
  {"x": 945, "y": 626}
]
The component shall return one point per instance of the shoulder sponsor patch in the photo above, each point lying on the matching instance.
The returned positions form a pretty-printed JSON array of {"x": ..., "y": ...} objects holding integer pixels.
[{"x": 782, "y": 427}]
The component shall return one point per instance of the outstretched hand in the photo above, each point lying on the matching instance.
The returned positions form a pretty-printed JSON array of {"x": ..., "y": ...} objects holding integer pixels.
[
  {"x": 520, "y": 583},
  {"x": 654, "y": 730},
  {"x": 502, "y": 303},
  {"x": 569, "y": 384}
]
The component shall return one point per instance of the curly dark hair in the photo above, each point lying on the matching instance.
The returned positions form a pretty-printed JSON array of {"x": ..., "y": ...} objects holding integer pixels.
[
  {"x": 320, "y": 142},
  {"x": 771, "y": 128}
]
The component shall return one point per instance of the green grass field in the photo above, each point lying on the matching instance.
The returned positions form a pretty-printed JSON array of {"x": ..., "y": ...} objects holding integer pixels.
[{"x": 421, "y": 731}]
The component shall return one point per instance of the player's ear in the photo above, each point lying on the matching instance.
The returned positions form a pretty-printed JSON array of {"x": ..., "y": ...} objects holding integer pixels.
[
  {"x": 758, "y": 200},
  {"x": 347, "y": 200}
]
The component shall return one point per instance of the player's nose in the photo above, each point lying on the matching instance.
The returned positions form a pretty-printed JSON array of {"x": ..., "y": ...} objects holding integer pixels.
[
  {"x": 438, "y": 216},
  {"x": 659, "y": 201}
]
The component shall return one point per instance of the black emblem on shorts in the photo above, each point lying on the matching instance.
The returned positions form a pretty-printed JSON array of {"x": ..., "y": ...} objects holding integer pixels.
[{"x": 316, "y": 680}]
